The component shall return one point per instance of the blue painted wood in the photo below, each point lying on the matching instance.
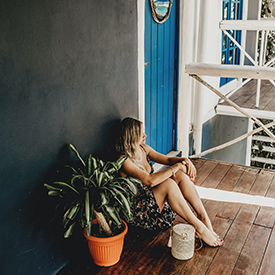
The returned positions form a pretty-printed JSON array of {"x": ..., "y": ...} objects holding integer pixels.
[
  {"x": 154, "y": 77},
  {"x": 230, "y": 52},
  {"x": 159, "y": 80},
  {"x": 147, "y": 69},
  {"x": 172, "y": 72}
]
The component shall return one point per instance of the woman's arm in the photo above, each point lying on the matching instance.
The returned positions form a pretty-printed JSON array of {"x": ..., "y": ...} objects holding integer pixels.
[
  {"x": 130, "y": 169},
  {"x": 166, "y": 160}
]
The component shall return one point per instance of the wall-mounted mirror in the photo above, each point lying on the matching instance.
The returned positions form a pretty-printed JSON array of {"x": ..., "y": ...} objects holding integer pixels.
[{"x": 160, "y": 9}]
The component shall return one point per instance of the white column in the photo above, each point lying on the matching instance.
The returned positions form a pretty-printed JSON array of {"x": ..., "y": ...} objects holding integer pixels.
[
  {"x": 249, "y": 143},
  {"x": 243, "y": 38},
  {"x": 140, "y": 61},
  {"x": 187, "y": 51},
  {"x": 209, "y": 51}
]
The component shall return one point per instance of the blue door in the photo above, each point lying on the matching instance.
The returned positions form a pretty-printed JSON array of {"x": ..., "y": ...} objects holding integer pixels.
[{"x": 160, "y": 79}]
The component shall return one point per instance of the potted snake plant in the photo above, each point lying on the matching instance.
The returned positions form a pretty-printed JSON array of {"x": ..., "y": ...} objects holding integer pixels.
[{"x": 96, "y": 197}]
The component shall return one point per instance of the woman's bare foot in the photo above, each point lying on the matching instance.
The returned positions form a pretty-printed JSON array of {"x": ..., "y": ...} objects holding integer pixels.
[
  {"x": 208, "y": 224},
  {"x": 208, "y": 237}
]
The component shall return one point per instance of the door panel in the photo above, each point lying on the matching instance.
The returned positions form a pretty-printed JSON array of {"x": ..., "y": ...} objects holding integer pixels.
[{"x": 160, "y": 45}]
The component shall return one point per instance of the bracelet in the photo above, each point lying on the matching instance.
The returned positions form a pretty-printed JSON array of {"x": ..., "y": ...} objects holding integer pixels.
[{"x": 173, "y": 172}]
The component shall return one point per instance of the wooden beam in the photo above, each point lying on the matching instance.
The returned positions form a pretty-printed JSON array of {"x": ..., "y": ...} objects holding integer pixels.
[
  {"x": 237, "y": 71},
  {"x": 251, "y": 25}
]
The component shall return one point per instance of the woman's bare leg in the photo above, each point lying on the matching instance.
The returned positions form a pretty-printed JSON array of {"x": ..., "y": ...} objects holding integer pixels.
[
  {"x": 170, "y": 190},
  {"x": 191, "y": 195}
]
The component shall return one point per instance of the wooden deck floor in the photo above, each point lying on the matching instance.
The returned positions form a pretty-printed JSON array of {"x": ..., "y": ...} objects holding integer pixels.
[
  {"x": 245, "y": 97},
  {"x": 248, "y": 232}
]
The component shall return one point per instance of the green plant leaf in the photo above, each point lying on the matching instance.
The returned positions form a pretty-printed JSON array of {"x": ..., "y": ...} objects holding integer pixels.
[
  {"x": 82, "y": 217},
  {"x": 69, "y": 232},
  {"x": 112, "y": 168},
  {"x": 120, "y": 161},
  {"x": 130, "y": 182},
  {"x": 103, "y": 199},
  {"x": 73, "y": 148},
  {"x": 72, "y": 168},
  {"x": 92, "y": 181},
  {"x": 89, "y": 168},
  {"x": 124, "y": 202},
  {"x": 64, "y": 184},
  {"x": 101, "y": 163},
  {"x": 65, "y": 218},
  {"x": 80, "y": 177},
  {"x": 89, "y": 228},
  {"x": 54, "y": 193},
  {"x": 100, "y": 178},
  {"x": 110, "y": 191},
  {"x": 107, "y": 175},
  {"x": 111, "y": 213},
  {"x": 89, "y": 224},
  {"x": 70, "y": 214},
  {"x": 87, "y": 206},
  {"x": 117, "y": 186},
  {"x": 51, "y": 188},
  {"x": 94, "y": 163},
  {"x": 127, "y": 216},
  {"x": 96, "y": 177}
]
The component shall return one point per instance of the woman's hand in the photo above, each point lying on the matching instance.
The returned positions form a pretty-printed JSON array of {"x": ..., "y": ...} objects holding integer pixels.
[
  {"x": 182, "y": 166},
  {"x": 191, "y": 169}
]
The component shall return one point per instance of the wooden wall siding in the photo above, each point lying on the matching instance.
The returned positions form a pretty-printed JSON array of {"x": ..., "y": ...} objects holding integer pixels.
[
  {"x": 159, "y": 80},
  {"x": 248, "y": 232}
]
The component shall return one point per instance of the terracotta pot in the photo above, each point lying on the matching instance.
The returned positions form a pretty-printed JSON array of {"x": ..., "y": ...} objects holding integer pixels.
[{"x": 106, "y": 251}]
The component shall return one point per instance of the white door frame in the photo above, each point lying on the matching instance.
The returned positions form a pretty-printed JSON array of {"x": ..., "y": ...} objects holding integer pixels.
[{"x": 140, "y": 61}]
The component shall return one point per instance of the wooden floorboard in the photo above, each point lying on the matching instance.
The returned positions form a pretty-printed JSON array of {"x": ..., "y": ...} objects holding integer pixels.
[
  {"x": 266, "y": 216},
  {"x": 245, "y": 97},
  {"x": 253, "y": 250},
  {"x": 248, "y": 232},
  {"x": 218, "y": 173},
  {"x": 268, "y": 264}
]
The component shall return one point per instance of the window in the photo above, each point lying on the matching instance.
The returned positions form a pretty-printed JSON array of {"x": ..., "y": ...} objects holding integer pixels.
[{"x": 231, "y": 10}]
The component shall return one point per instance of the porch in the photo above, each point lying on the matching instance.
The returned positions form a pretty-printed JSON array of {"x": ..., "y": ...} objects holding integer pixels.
[
  {"x": 248, "y": 232},
  {"x": 245, "y": 97}
]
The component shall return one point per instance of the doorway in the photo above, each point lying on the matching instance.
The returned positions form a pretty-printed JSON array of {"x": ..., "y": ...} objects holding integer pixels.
[{"x": 160, "y": 68}]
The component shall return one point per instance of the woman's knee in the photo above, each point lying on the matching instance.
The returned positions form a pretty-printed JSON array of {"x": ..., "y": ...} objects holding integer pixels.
[
  {"x": 162, "y": 191},
  {"x": 166, "y": 186},
  {"x": 181, "y": 177}
]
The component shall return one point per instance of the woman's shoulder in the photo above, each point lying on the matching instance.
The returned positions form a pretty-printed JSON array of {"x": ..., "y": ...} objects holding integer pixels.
[{"x": 146, "y": 147}]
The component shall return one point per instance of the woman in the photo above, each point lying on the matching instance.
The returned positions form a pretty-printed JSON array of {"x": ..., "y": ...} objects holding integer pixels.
[{"x": 173, "y": 185}]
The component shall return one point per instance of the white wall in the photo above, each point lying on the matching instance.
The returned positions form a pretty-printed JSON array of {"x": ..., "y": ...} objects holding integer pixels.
[
  {"x": 209, "y": 51},
  {"x": 209, "y": 48},
  {"x": 189, "y": 11},
  {"x": 252, "y": 36}
]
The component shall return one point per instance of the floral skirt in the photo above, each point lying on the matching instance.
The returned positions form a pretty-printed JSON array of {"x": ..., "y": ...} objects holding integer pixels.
[{"x": 146, "y": 212}]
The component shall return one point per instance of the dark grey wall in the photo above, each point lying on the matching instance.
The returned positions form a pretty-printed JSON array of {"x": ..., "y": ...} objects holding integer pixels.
[
  {"x": 68, "y": 73},
  {"x": 221, "y": 129}
]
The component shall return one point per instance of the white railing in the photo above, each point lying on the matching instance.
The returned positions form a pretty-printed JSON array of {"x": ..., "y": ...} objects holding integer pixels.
[
  {"x": 263, "y": 25},
  {"x": 258, "y": 71},
  {"x": 270, "y": 150}
]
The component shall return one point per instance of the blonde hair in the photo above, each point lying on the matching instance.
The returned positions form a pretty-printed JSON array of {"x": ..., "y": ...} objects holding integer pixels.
[{"x": 128, "y": 140}]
